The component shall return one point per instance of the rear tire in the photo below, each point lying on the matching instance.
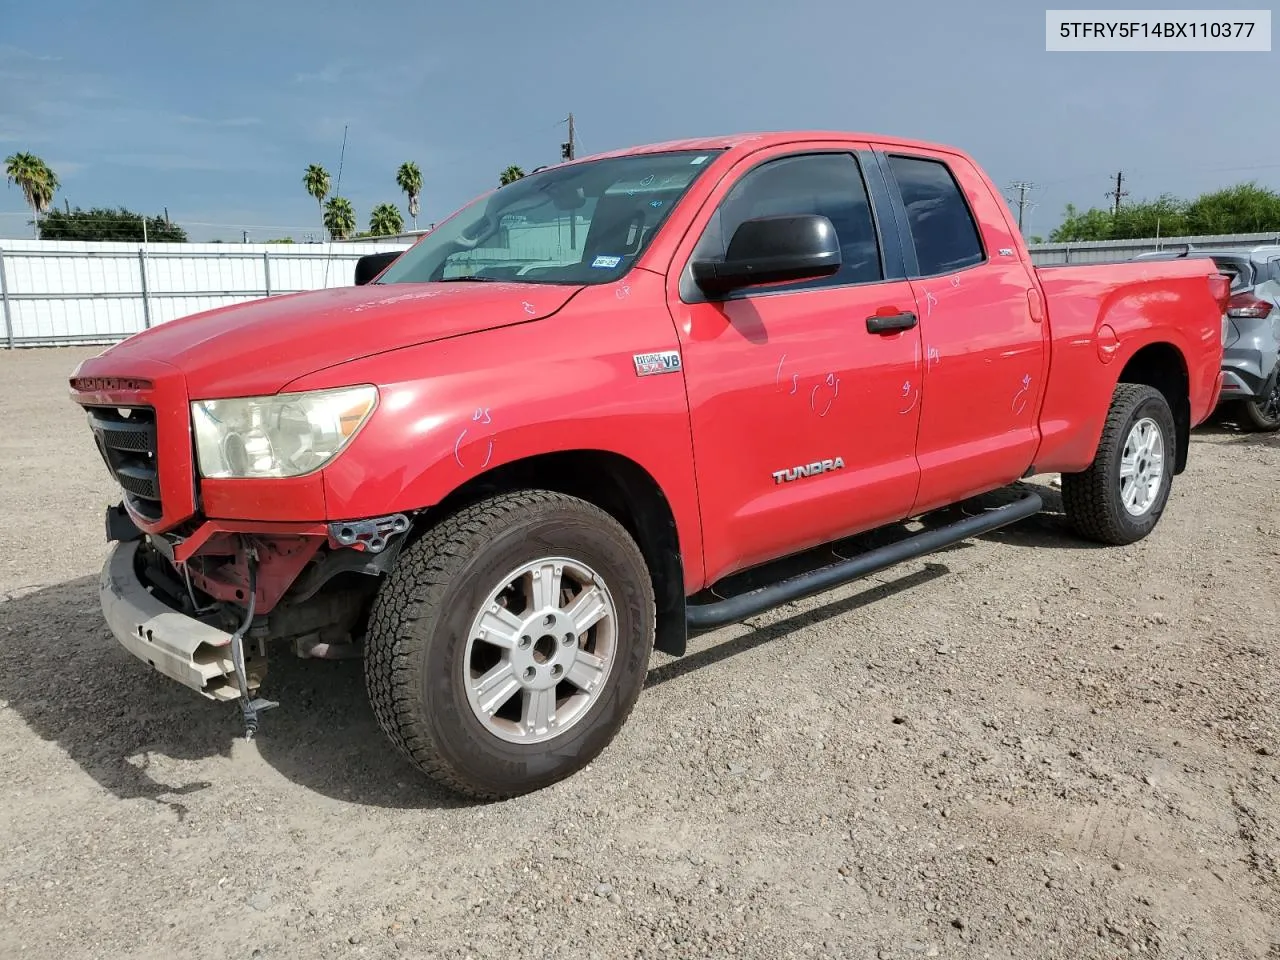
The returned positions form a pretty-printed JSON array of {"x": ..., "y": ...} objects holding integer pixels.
[
  {"x": 1120, "y": 497},
  {"x": 1263, "y": 413},
  {"x": 491, "y": 683}
]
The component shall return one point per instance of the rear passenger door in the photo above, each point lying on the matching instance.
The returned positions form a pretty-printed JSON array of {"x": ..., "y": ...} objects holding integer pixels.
[
  {"x": 985, "y": 348},
  {"x": 788, "y": 375}
]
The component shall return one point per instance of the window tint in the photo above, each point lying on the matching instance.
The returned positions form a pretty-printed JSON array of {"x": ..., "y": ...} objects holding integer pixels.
[
  {"x": 827, "y": 184},
  {"x": 942, "y": 229}
]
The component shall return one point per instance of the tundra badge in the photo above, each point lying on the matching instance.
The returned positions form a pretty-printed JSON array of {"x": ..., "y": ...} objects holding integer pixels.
[
  {"x": 664, "y": 361},
  {"x": 808, "y": 470}
]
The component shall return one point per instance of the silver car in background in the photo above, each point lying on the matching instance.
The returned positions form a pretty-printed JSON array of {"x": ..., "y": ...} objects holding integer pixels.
[{"x": 1251, "y": 354}]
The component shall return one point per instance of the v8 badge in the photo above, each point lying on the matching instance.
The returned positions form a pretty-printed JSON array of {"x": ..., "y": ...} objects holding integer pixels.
[{"x": 664, "y": 361}]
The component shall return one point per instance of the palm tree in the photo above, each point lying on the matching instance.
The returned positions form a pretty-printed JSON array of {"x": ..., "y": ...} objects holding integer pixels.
[
  {"x": 409, "y": 179},
  {"x": 316, "y": 180},
  {"x": 510, "y": 175},
  {"x": 35, "y": 179},
  {"x": 339, "y": 218},
  {"x": 385, "y": 220}
]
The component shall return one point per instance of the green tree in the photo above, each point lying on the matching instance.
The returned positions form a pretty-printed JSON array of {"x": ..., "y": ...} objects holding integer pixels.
[
  {"x": 1163, "y": 217},
  {"x": 1093, "y": 224},
  {"x": 35, "y": 179},
  {"x": 409, "y": 179},
  {"x": 104, "y": 223},
  {"x": 339, "y": 218},
  {"x": 385, "y": 220},
  {"x": 316, "y": 180},
  {"x": 510, "y": 175},
  {"x": 1244, "y": 208}
]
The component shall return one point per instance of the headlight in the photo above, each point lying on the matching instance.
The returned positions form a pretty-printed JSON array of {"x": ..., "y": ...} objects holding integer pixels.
[{"x": 280, "y": 436}]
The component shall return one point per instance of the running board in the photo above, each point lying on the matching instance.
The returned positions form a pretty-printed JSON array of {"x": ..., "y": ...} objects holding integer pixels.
[{"x": 704, "y": 616}]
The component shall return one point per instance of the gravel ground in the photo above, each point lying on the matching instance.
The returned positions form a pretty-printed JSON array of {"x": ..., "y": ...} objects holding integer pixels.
[{"x": 1023, "y": 747}]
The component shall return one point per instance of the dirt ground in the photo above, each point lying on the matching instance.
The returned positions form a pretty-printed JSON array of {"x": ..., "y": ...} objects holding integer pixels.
[{"x": 1026, "y": 747}]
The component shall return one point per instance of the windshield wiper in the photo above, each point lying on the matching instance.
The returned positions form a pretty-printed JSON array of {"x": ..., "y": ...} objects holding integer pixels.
[{"x": 471, "y": 279}]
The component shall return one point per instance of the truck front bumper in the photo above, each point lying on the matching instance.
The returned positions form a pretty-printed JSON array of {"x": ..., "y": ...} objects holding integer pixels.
[{"x": 194, "y": 653}]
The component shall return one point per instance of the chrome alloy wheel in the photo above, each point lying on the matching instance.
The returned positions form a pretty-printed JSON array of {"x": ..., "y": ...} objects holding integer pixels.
[
  {"x": 540, "y": 650},
  {"x": 1141, "y": 467}
]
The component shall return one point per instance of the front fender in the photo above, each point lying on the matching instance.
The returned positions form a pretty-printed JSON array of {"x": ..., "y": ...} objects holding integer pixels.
[{"x": 452, "y": 410}]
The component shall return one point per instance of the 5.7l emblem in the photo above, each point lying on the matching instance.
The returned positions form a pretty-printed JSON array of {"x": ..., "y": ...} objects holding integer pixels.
[
  {"x": 664, "y": 361},
  {"x": 808, "y": 470}
]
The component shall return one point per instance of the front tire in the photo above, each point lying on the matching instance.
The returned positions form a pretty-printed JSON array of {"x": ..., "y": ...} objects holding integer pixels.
[
  {"x": 1120, "y": 497},
  {"x": 510, "y": 643}
]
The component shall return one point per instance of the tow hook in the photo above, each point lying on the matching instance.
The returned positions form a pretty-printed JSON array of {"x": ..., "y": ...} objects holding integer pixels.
[
  {"x": 250, "y": 707},
  {"x": 372, "y": 535}
]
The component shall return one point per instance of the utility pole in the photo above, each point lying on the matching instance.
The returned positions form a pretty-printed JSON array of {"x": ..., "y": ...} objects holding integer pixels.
[
  {"x": 1117, "y": 193},
  {"x": 566, "y": 149},
  {"x": 1022, "y": 186},
  {"x": 566, "y": 153}
]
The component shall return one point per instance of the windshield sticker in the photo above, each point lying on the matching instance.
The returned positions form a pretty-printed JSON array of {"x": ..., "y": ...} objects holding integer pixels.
[
  {"x": 697, "y": 160},
  {"x": 607, "y": 262}
]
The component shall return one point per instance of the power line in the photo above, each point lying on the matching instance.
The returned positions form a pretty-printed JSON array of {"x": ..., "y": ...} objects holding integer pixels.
[{"x": 1166, "y": 168}]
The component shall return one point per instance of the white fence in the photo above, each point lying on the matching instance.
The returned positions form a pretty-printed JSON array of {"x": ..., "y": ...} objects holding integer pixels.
[
  {"x": 1100, "y": 251},
  {"x": 61, "y": 292}
]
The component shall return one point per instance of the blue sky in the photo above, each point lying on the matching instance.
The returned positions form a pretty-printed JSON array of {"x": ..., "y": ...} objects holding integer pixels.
[{"x": 214, "y": 110}]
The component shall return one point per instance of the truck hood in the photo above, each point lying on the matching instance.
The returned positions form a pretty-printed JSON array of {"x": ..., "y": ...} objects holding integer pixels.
[{"x": 258, "y": 347}]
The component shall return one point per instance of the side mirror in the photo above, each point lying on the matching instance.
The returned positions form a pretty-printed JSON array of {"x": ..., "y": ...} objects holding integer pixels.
[
  {"x": 772, "y": 250},
  {"x": 369, "y": 266}
]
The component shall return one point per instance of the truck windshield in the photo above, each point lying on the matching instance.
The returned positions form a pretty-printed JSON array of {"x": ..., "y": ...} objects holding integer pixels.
[{"x": 582, "y": 223}]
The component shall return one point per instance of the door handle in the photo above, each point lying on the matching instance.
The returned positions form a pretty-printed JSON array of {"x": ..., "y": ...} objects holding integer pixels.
[{"x": 892, "y": 323}]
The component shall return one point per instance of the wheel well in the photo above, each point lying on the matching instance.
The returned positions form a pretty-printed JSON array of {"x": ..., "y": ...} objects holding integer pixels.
[
  {"x": 617, "y": 485},
  {"x": 1161, "y": 365}
]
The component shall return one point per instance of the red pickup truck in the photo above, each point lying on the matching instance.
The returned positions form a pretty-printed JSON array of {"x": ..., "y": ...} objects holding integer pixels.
[{"x": 546, "y": 438}]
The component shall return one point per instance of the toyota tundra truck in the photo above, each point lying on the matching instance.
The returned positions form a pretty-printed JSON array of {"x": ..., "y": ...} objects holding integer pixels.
[{"x": 607, "y": 406}]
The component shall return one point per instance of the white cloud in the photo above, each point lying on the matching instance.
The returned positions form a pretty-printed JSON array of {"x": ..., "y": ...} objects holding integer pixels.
[
  {"x": 215, "y": 122},
  {"x": 330, "y": 73},
  {"x": 67, "y": 168},
  {"x": 10, "y": 52}
]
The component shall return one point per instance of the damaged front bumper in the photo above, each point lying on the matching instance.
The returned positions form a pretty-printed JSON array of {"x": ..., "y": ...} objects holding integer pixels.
[{"x": 194, "y": 653}]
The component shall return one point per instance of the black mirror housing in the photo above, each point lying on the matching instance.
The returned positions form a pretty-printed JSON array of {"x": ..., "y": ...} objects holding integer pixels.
[
  {"x": 772, "y": 250},
  {"x": 369, "y": 266}
]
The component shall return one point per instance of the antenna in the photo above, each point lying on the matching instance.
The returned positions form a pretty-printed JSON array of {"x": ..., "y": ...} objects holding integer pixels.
[{"x": 337, "y": 192}]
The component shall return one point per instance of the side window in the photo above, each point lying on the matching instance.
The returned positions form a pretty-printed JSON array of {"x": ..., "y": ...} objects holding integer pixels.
[
  {"x": 1275, "y": 269},
  {"x": 942, "y": 228},
  {"x": 827, "y": 184}
]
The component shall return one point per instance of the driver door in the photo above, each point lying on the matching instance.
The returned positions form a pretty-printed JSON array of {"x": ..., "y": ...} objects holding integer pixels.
[{"x": 789, "y": 375}]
